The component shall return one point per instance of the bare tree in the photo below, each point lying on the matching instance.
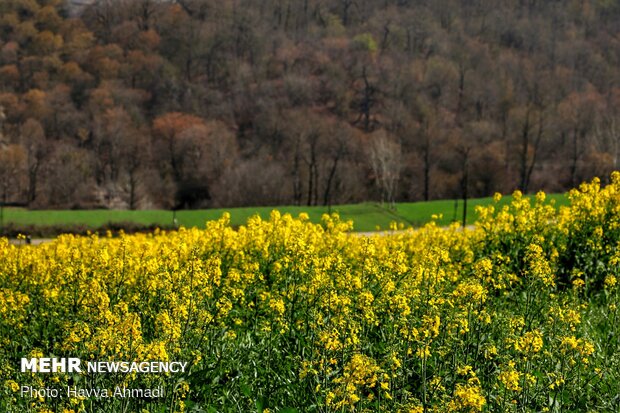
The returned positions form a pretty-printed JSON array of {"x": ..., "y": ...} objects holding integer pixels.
[
  {"x": 607, "y": 137},
  {"x": 529, "y": 131},
  {"x": 338, "y": 153},
  {"x": 12, "y": 168},
  {"x": 578, "y": 112},
  {"x": 366, "y": 102},
  {"x": 33, "y": 141},
  {"x": 385, "y": 158}
]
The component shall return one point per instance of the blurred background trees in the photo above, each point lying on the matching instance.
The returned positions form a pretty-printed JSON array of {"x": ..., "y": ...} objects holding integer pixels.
[{"x": 199, "y": 103}]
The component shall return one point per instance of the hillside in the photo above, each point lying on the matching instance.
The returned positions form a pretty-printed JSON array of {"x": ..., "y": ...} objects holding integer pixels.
[{"x": 201, "y": 103}]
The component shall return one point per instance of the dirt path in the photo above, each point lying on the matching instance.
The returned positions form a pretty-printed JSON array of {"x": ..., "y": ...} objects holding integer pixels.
[{"x": 34, "y": 241}]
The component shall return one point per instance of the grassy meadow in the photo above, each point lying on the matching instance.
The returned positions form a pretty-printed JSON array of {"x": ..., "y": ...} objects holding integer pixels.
[{"x": 365, "y": 217}]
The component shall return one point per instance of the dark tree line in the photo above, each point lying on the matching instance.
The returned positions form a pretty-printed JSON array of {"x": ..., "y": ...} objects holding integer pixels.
[{"x": 198, "y": 103}]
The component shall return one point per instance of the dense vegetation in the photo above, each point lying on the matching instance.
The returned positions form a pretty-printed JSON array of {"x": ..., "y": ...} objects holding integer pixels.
[
  {"x": 146, "y": 103},
  {"x": 519, "y": 314}
]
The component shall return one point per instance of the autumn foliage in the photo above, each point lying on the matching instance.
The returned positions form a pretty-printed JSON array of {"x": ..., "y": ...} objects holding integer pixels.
[{"x": 195, "y": 103}]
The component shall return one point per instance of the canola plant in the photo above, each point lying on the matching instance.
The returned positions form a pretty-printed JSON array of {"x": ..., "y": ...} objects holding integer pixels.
[{"x": 518, "y": 314}]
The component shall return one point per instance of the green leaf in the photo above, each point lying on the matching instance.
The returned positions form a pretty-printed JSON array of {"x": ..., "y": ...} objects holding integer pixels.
[
  {"x": 260, "y": 404},
  {"x": 245, "y": 390}
]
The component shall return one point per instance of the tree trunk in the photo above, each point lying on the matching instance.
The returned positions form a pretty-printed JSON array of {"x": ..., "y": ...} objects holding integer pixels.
[
  {"x": 312, "y": 172},
  {"x": 525, "y": 147},
  {"x": 367, "y": 101},
  {"x": 32, "y": 182},
  {"x": 459, "y": 104},
  {"x": 574, "y": 158},
  {"x": 346, "y": 5},
  {"x": 133, "y": 186},
  {"x": 330, "y": 178},
  {"x": 537, "y": 141},
  {"x": 427, "y": 167},
  {"x": 465, "y": 185},
  {"x": 310, "y": 183},
  {"x": 296, "y": 177}
]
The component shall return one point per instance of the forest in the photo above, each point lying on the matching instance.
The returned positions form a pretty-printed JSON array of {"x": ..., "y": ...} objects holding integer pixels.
[{"x": 141, "y": 104}]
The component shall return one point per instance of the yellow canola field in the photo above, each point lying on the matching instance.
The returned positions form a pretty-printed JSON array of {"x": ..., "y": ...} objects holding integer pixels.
[{"x": 516, "y": 315}]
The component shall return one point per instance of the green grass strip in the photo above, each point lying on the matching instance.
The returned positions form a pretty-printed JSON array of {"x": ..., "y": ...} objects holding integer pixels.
[{"x": 365, "y": 216}]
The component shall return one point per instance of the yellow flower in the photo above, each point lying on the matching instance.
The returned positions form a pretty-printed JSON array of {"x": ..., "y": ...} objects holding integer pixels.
[
  {"x": 467, "y": 397},
  {"x": 11, "y": 385},
  {"x": 610, "y": 281},
  {"x": 530, "y": 343},
  {"x": 510, "y": 377}
]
